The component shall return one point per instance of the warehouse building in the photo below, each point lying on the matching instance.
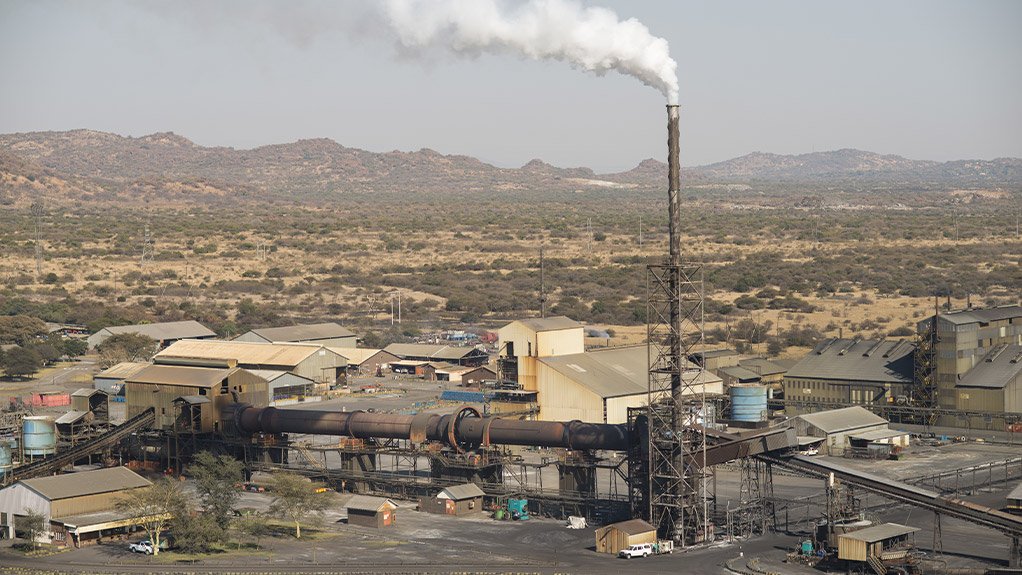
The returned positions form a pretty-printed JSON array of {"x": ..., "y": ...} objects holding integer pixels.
[
  {"x": 459, "y": 374},
  {"x": 617, "y": 536},
  {"x": 286, "y": 388},
  {"x": 328, "y": 334},
  {"x": 363, "y": 360},
  {"x": 838, "y": 429},
  {"x": 369, "y": 511},
  {"x": 993, "y": 384},
  {"x": 599, "y": 386},
  {"x": 78, "y": 508},
  {"x": 455, "y": 500},
  {"x": 325, "y": 367},
  {"x": 191, "y": 398},
  {"x": 889, "y": 541},
  {"x": 523, "y": 341},
  {"x": 965, "y": 338},
  {"x": 111, "y": 380},
  {"x": 466, "y": 356},
  {"x": 843, "y": 371},
  {"x": 164, "y": 333}
]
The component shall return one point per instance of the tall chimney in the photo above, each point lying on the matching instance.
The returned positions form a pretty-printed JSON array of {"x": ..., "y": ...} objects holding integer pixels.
[{"x": 673, "y": 184}]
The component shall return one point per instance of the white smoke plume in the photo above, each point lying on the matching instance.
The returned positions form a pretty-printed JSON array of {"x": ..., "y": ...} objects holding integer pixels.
[{"x": 588, "y": 38}]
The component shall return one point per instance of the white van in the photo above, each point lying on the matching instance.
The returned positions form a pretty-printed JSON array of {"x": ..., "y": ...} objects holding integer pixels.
[{"x": 637, "y": 550}]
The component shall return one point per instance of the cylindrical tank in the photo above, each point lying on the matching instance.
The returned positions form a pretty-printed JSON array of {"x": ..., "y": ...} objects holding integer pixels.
[
  {"x": 39, "y": 436},
  {"x": 6, "y": 461},
  {"x": 748, "y": 402}
]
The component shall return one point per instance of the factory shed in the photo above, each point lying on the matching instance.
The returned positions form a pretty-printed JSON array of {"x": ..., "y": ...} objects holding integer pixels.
[
  {"x": 284, "y": 387},
  {"x": 837, "y": 426},
  {"x": 995, "y": 383},
  {"x": 172, "y": 391},
  {"x": 599, "y": 386},
  {"x": 78, "y": 507},
  {"x": 887, "y": 541},
  {"x": 358, "y": 358},
  {"x": 468, "y": 356},
  {"x": 455, "y": 500},
  {"x": 111, "y": 380},
  {"x": 165, "y": 333},
  {"x": 857, "y": 371},
  {"x": 328, "y": 334},
  {"x": 475, "y": 376},
  {"x": 309, "y": 360},
  {"x": 617, "y": 536},
  {"x": 369, "y": 511},
  {"x": 522, "y": 341},
  {"x": 737, "y": 374}
]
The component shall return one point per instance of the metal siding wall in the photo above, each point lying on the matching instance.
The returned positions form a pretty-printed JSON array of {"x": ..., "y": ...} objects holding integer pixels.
[
  {"x": 561, "y": 399},
  {"x": 250, "y": 337},
  {"x": 84, "y": 504},
  {"x": 17, "y": 497},
  {"x": 560, "y": 342},
  {"x": 313, "y": 366},
  {"x": 520, "y": 336},
  {"x": 617, "y": 407}
]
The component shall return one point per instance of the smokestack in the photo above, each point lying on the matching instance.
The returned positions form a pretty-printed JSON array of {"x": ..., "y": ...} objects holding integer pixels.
[{"x": 674, "y": 183}]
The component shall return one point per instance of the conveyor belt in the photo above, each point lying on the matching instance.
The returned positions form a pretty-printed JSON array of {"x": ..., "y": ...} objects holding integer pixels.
[
  {"x": 978, "y": 514},
  {"x": 54, "y": 463}
]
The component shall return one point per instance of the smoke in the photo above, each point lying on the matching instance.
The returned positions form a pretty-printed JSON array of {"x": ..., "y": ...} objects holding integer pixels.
[{"x": 588, "y": 38}]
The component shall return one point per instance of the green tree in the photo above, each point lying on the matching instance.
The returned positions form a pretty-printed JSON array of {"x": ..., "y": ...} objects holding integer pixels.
[
  {"x": 295, "y": 498},
  {"x": 217, "y": 479},
  {"x": 154, "y": 507},
  {"x": 126, "y": 347},
  {"x": 20, "y": 329},
  {"x": 252, "y": 526},
  {"x": 75, "y": 347},
  {"x": 32, "y": 524},
  {"x": 195, "y": 532},
  {"x": 20, "y": 361}
]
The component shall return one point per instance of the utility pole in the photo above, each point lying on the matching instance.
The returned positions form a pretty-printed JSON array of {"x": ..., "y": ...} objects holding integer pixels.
[
  {"x": 148, "y": 244},
  {"x": 37, "y": 214},
  {"x": 542, "y": 285},
  {"x": 589, "y": 231},
  {"x": 640, "y": 232}
]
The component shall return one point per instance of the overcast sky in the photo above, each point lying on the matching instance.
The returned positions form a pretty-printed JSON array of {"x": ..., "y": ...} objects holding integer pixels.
[{"x": 926, "y": 79}]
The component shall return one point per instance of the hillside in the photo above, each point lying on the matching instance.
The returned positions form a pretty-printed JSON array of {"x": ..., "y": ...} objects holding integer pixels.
[{"x": 89, "y": 165}]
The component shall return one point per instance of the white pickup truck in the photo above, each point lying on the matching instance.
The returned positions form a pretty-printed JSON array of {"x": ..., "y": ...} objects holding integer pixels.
[{"x": 646, "y": 549}]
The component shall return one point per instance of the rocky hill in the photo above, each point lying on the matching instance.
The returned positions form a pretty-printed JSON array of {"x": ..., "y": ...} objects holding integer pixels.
[{"x": 89, "y": 165}]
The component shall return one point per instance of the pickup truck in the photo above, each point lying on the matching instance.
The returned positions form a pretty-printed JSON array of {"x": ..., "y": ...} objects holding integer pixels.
[
  {"x": 647, "y": 549},
  {"x": 146, "y": 546}
]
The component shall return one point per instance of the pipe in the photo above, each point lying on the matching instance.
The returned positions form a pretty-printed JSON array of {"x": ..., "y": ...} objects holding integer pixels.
[{"x": 468, "y": 428}]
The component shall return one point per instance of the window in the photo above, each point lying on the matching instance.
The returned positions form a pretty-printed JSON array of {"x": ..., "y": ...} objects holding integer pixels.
[{"x": 202, "y": 391}]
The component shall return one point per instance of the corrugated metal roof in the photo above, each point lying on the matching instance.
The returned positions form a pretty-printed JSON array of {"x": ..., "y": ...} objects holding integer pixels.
[
  {"x": 1000, "y": 365},
  {"x": 85, "y": 392},
  {"x": 463, "y": 491},
  {"x": 632, "y": 526},
  {"x": 123, "y": 370},
  {"x": 837, "y": 420},
  {"x": 86, "y": 483},
  {"x": 369, "y": 503},
  {"x": 193, "y": 399},
  {"x": 181, "y": 375},
  {"x": 866, "y": 360},
  {"x": 740, "y": 373},
  {"x": 404, "y": 350},
  {"x": 762, "y": 366},
  {"x": 1016, "y": 493},
  {"x": 166, "y": 330},
  {"x": 71, "y": 417},
  {"x": 614, "y": 372},
  {"x": 272, "y": 374},
  {"x": 306, "y": 332},
  {"x": 245, "y": 353},
  {"x": 878, "y": 434},
  {"x": 354, "y": 355},
  {"x": 967, "y": 316},
  {"x": 553, "y": 323},
  {"x": 879, "y": 532}
]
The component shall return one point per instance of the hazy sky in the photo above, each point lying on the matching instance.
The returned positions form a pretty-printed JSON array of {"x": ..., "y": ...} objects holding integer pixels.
[{"x": 927, "y": 79}]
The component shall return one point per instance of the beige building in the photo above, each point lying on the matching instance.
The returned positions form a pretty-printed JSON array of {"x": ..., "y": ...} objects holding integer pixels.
[
  {"x": 599, "y": 386},
  {"x": 164, "y": 333},
  {"x": 77, "y": 507},
  {"x": 839, "y": 429},
  {"x": 309, "y": 360},
  {"x": 843, "y": 371},
  {"x": 617, "y": 536},
  {"x": 993, "y": 384},
  {"x": 521, "y": 342},
  {"x": 191, "y": 398},
  {"x": 329, "y": 334}
]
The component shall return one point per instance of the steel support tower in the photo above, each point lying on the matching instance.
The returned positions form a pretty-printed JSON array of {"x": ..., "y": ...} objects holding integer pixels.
[{"x": 924, "y": 380}]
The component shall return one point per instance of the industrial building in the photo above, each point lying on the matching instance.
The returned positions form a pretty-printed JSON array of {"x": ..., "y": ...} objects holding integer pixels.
[
  {"x": 465, "y": 356},
  {"x": 165, "y": 333},
  {"x": 458, "y": 374},
  {"x": 994, "y": 383},
  {"x": 599, "y": 386},
  {"x": 328, "y": 334},
  {"x": 369, "y": 511},
  {"x": 189, "y": 398},
  {"x": 363, "y": 360},
  {"x": 312, "y": 361},
  {"x": 887, "y": 542},
  {"x": 286, "y": 388},
  {"x": 455, "y": 500},
  {"x": 838, "y": 430},
  {"x": 617, "y": 536},
  {"x": 79, "y": 508},
  {"x": 963, "y": 340},
  {"x": 111, "y": 380},
  {"x": 523, "y": 341},
  {"x": 857, "y": 371}
]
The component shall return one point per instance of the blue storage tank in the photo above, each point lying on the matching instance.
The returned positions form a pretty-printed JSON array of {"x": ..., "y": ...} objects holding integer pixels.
[
  {"x": 6, "y": 461},
  {"x": 748, "y": 402},
  {"x": 39, "y": 436}
]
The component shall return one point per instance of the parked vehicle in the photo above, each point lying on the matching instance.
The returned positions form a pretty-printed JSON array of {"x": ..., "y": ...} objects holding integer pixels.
[
  {"x": 146, "y": 546},
  {"x": 637, "y": 550}
]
